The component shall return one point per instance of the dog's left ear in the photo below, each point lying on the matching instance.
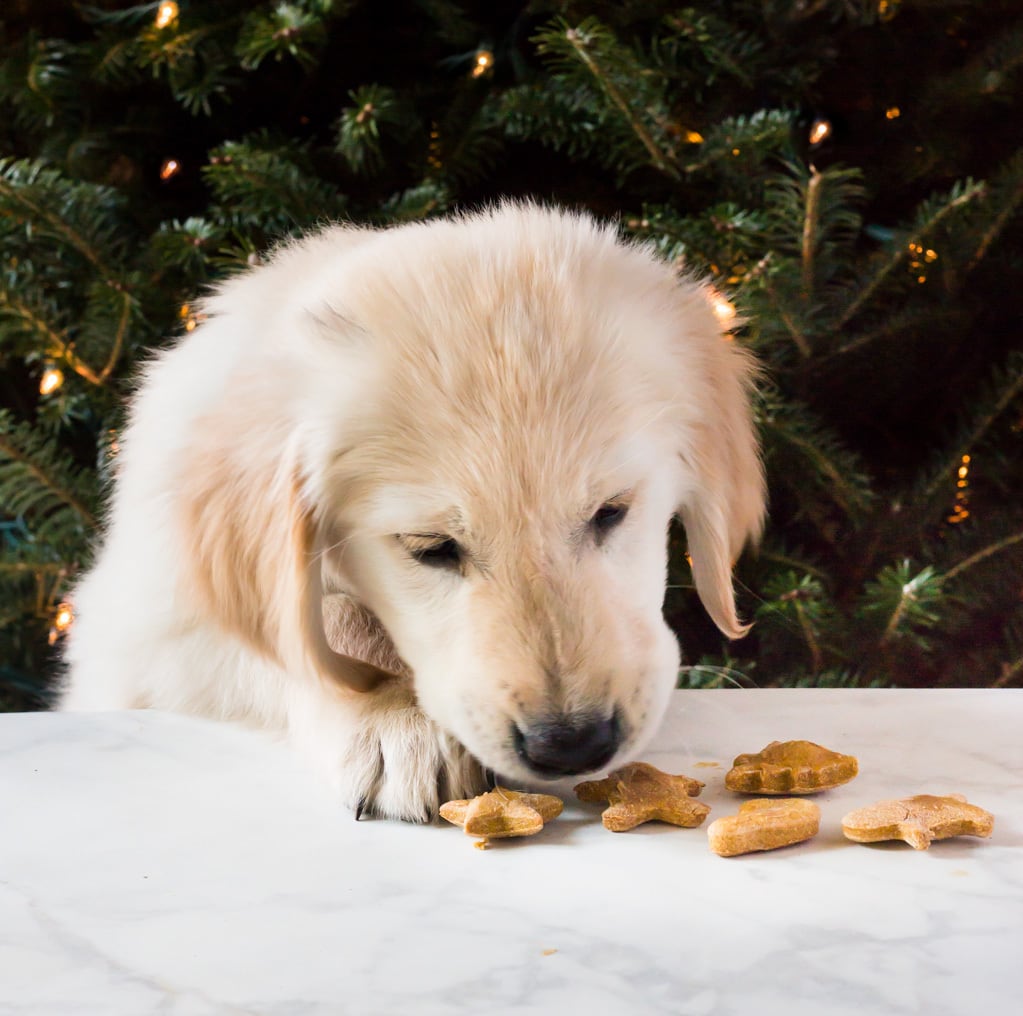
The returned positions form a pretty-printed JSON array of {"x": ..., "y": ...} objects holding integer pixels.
[
  {"x": 249, "y": 536},
  {"x": 723, "y": 504}
]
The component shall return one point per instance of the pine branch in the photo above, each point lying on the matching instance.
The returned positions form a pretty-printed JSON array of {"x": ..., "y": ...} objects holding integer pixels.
[
  {"x": 759, "y": 136},
  {"x": 19, "y": 181},
  {"x": 834, "y": 471},
  {"x": 358, "y": 137},
  {"x": 1006, "y": 193},
  {"x": 906, "y": 601},
  {"x": 927, "y": 221},
  {"x": 594, "y": 47},
  {"x": 286, "y": 30},
  {"x": 35, "y": 483},
  {"x": 1004, "y": 387},
  {"x": 811, "y": 225},
  {"x": 1010, "y": 672},
  {"x": 982, "y": 555},
  {"x": 581, "y": 42},
  {"x": 267, "y": 186}
]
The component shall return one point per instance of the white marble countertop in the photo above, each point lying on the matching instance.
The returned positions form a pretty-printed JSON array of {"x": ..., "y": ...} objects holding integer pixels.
[{"x": 152, "y": 863}]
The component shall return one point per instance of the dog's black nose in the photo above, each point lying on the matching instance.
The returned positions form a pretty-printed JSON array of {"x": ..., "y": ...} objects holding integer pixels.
[{"x": 568, "y": 745}]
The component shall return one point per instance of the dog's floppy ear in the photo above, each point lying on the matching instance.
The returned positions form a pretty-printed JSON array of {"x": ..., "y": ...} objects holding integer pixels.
[
  {"x": 724, "y": 501},
  {"x": 249, "y": 533}
]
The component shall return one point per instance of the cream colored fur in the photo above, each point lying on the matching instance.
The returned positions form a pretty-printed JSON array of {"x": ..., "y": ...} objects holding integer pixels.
[{"x": 494, "y": 379}]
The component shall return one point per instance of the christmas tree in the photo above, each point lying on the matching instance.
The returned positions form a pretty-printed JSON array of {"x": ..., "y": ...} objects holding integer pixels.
[{"x": 847, "y": 174}]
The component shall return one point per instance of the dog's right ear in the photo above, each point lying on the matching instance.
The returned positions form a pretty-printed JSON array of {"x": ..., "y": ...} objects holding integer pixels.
[
  {"x": 724, "y": 502},
  {"x": 249, "y": 533}
]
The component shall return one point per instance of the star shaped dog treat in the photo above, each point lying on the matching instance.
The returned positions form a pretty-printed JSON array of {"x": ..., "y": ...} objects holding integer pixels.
[
  {"x": 764, "y": 824},
  {"x": 639, "y": 793},
  {"x": 918, "y": 820},
  {"x": 790, "y": 767},
  {"x": 502, "y": 813}
]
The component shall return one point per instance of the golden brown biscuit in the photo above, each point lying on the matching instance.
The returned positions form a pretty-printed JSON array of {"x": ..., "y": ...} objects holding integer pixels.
[
  {"x": 790, "y": 767},
  {"x": 764, "y": 824},
  {"x": 502, "y": 813},
  {"x": 639, "y": 793},
  {"x": 918, "y": 820}
]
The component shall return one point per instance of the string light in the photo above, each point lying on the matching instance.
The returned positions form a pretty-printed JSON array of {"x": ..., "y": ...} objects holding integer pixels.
[
  {"x": 820, "y": 130},
  {"x": 62, "y": 621},
  {"x": 433, "y": 155},
  {"x": 960, "y": 511},
  {"x": 170, "y": 168},
  {"x": 694, "y": 137},
  {"x": 190, "y": 319},
  {"x": 484, "y": 63},
  {"x": 724, "y": 309},
  {"x": 892, "y": 113},
  {"x": 920, "y": 258},
  {"x": 166, "y": 13},
  {"x": 52, "y": 378}
]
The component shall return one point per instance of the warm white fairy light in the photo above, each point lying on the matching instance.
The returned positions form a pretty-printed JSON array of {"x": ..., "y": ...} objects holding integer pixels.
[
  {"x": 892, "y": 113},
  {"x": 723, "y": 308},
  {"x": 191, "y": 319},
  {"x": 169, "y": 168},
  {"x": 52, "y": 378},
  {"x": 920, "y": 258},
  {"x": 484, "y": 62},
  {"x": 960, "y": 511},
  {"x": 166, "y": 13},
  {"x": 820, "y": 130},
  {"x": 62, "y": 621}
]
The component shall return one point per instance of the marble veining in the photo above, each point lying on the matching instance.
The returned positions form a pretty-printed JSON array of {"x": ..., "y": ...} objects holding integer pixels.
[{"x": 152, "y": 863}]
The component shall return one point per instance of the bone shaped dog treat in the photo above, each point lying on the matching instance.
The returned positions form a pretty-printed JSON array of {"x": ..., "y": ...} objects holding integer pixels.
[
  {"x": 502, "y": 813},
  {"x": 639, "y": 793},
  {"x": 918, "y": 820},
  {"x": 764, "y": 824},
  {"x": 790, "y": 767}
]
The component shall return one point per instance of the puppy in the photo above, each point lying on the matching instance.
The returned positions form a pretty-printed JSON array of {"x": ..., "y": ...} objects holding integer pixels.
[{"x": 404, "y": 496}]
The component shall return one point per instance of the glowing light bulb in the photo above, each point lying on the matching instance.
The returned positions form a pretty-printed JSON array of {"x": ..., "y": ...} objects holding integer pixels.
[
  {"x": 166, "y": 13},
  {"x": 170, "y": 167},
  {"x": 64, "y": 618},
  {"x": 484, "y": 61},
  {"x": 62, "y": 621},
  {"x": 51, "y": 380},
  {"x": 819, "y": 131},
  {"x": 724, "y": 309},
  {"x": 892, "y": 113},
  {"x": 694, "y": 137}
]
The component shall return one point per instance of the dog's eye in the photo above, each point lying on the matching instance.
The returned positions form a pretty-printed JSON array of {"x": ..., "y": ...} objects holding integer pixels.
[
  {"x": 437, "y": 553},
  {"x": 607, "y": 516}
]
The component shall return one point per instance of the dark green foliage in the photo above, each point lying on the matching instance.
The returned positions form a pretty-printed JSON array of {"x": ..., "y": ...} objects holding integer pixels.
[{"x": 876, "y": 267}]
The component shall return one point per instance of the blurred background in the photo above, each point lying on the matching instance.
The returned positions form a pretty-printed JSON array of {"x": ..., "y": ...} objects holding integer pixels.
[{"x": 846, "y": 174}]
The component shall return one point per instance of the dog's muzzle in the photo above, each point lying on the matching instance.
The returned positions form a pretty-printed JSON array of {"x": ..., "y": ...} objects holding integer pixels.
[{"x": 568, "y": 745}]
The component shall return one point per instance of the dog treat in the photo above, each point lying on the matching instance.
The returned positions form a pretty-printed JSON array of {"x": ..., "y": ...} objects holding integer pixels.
[
  {"x": 764, "y": 824},
  {"x": 639, "y": 793},
  {"x": 918, "y": 820},
  {"x": 502, "y": 813},
  {"x": 790, "y": 767}
]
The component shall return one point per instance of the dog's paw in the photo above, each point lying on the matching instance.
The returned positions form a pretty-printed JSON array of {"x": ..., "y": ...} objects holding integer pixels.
[{"x": 387, "y": 758}]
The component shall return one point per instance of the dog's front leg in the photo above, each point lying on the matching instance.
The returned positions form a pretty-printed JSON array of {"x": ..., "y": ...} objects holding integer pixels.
[
  {"x": 378, "y": 748},
  {"x": 381, "y": 752}
]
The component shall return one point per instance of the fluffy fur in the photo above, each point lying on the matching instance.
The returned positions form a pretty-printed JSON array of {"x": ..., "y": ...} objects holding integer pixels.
[{"x": 499, "y": 380}]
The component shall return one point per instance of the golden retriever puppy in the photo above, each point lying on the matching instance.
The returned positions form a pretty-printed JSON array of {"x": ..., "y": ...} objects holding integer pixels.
[{"x": 404, "y": 496}]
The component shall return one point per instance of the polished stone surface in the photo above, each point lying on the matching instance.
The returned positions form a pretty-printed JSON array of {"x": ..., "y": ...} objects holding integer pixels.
[{"x": 152, "y": 863}]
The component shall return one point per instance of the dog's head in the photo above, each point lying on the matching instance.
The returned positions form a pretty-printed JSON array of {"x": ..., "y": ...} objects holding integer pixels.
[{"x": 480, "y": 429}]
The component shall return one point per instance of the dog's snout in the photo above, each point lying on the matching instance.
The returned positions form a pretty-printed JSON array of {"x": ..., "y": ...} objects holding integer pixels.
[{"x": 566, "y": 746}]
